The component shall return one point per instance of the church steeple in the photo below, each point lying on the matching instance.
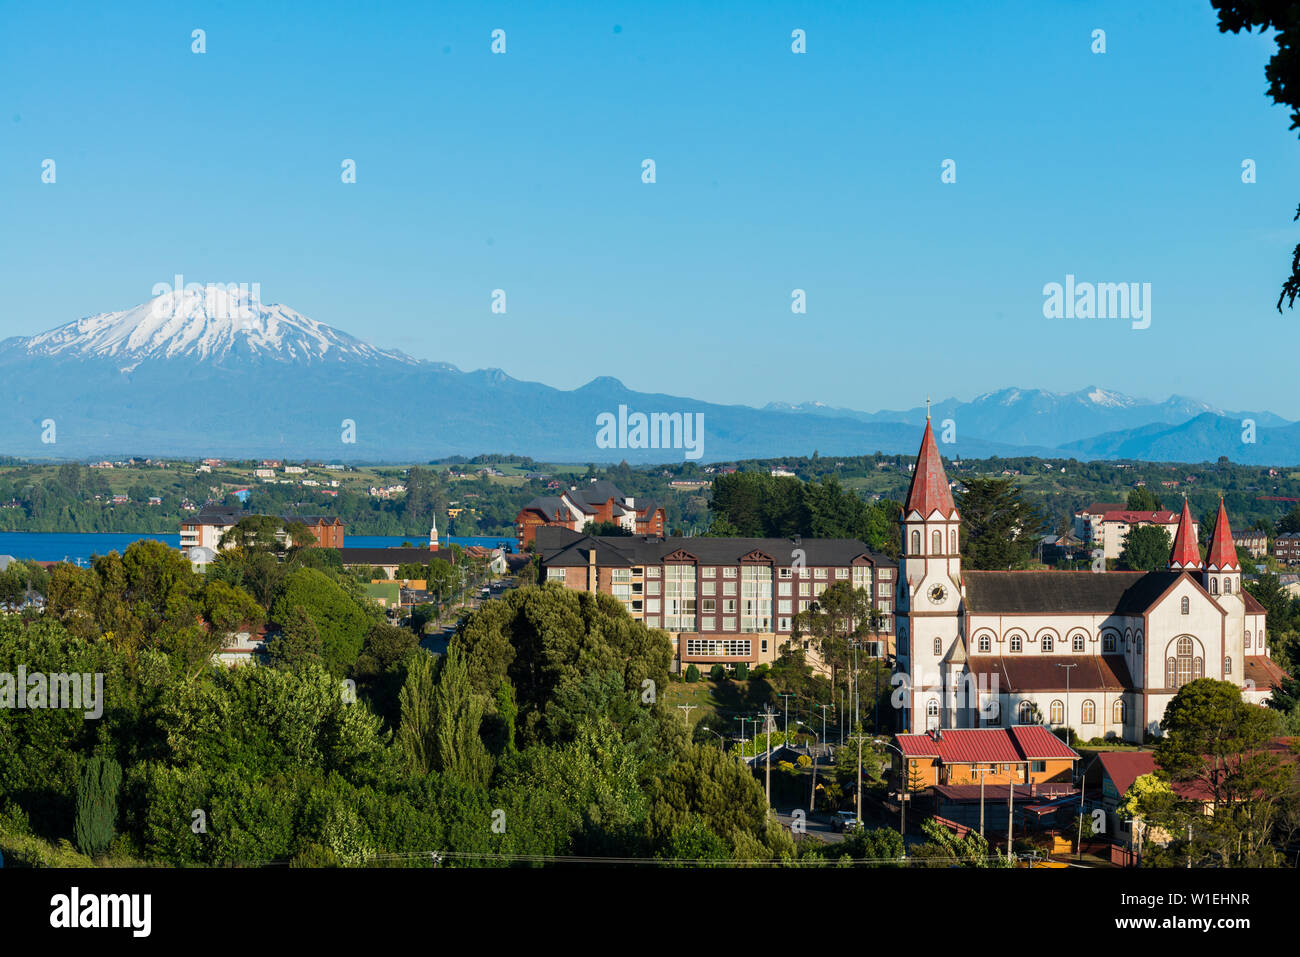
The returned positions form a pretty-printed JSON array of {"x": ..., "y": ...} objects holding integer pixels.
[
  {"x": 1222, "y": 574},
  {"x": 1185, "y": 555},
  {"x": 1223, "y": 553},
  {"x": 929, "y": 490}
]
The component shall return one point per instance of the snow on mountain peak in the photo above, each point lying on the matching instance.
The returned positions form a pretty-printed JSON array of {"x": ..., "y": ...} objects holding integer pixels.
[{"x": 207, "y": 323}]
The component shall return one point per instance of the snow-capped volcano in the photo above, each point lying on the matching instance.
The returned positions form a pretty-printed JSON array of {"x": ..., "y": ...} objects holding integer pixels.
[{"x": 207, "y": 323}]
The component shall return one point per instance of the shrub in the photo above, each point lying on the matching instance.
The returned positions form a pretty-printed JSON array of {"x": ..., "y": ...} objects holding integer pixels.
[
  {"x": 717, "y": 673},
  {"x": 692, "y": 673},
  {"x": 96, "y": 823},
  {"x": 761, "y": 671},
  {"x": 742, "y": 671}
]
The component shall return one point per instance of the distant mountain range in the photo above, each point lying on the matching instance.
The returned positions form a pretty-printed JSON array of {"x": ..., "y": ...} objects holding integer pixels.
[{"x": 214, "y": 371}]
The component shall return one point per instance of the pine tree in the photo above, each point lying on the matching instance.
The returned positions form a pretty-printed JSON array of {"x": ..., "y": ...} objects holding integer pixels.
[{"x": 96, "y": 823}]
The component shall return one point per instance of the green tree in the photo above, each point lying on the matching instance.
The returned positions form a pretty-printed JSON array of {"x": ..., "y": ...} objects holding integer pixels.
[
  {"x": 96, "y": 823},
  {"x": 1001, "y": 528},
  {"x": 1146, "y": 548},
  {"x": 337, "y": 615},
  {"x": 1142, "y": 499},
  {"x": 1282, "y": 16},
  {"x": 298, "y": 643},
  {"x": 1219, "y": 743}
]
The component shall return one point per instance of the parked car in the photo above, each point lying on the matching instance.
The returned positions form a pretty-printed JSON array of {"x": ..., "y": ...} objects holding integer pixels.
[{"x": 844, "y": 821}]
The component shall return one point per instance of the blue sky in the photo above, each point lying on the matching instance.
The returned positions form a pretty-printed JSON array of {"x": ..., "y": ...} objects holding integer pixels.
[{"x": 775, "y": 171}]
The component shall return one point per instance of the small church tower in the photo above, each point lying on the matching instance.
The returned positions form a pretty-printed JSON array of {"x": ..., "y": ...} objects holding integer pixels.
[
  {"x": 1186, "y": 554},
  {"x": 433, "y": 535},
  {"x": 1222, "y": 574}
]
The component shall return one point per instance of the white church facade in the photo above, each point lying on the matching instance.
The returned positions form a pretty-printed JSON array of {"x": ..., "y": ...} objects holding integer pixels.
[{"x": 1100, "y": 652}]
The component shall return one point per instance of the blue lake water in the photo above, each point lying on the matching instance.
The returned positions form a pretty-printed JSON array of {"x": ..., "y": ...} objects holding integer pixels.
[{"x": 80, "y": 546}]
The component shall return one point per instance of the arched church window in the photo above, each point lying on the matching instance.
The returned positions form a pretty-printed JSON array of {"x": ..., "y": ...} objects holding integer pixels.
[
  {"x": 1048, "y": 643},
  {"x": 1057, "y": 712},
  {"x": 1108, "y": 643},
  {"x": 932, "y": 708},
  {"x": 1227, "y": 586},
  {"x": 916, "y": 543},
  {"x": 1089, "y": 712},
  {"x": 1214, "y": 586},
  {"x": 1227, "y": 665},
  {"x": 1015, "y": 643},
  {"x": 1171, "y": 672},
  {"x": 1117, "y": 711},
  {"x": 937, "y": 543},
  {"x": 1025, "y": 712},
  {"x": 1187, "y": 605},
  {"x": 1076, "y": 642},
  {"x": 1247, "y": 637},
  {"x": 938, "y": 647},
  {"x": 952, "y": 541},
  {"x": 984, "y": 644}
]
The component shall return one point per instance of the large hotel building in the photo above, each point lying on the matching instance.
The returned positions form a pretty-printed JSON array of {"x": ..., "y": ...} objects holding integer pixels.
[{"x": 721, "y": 600}]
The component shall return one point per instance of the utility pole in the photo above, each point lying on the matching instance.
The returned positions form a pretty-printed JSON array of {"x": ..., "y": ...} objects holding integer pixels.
[
  {"x": 1011, "y": 790},
  {"x": 812, "y": 798},
  {"x": 767, "y": 728},
  {"x": 686, "y": 712},
  {"x": 859, "y": 736},
  {"x": 981, "y": 772},
  {"x": 822, "y": 742},
  {"x": 743, "y": 737},
  {"x": 787, "y": 696}
]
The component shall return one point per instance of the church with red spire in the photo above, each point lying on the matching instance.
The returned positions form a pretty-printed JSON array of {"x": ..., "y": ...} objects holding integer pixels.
[{"x": 1102, "y": 652}]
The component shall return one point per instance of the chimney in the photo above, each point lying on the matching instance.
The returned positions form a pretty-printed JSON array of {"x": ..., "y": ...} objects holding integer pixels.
[
  {"x": 630, "y": 503},
  {"x": 798, "y": 540}
]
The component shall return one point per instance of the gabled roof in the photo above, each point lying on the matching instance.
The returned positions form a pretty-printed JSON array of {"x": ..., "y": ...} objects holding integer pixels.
[
  {"x": 559, "y": 547},
  {"x": 1037, "y": 672},
  {"x": 1185, "y": 552},
  {"x": 929, "y": 491},
  {"x": 1133, "y": 516},
  {"x": 1037, "y": 743},
  {"x": 984, "y": 745},
  {"x": 548, "y": 505},
  {"x": 1038, "y": 592},
  {"x": 1125, "y": 767},
  {"x": 1263, "y": 671},
  {"x": 1222, "y": 553}
]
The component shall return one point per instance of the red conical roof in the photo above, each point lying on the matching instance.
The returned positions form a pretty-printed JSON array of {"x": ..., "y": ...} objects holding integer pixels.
[
  {"x": 929, "y": 489},
  {"x": 1185, "y": 553},
  {"x": 1222, "y": 554}
]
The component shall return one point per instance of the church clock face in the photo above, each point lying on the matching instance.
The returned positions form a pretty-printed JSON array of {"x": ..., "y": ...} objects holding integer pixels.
[{"x": 937, "y": 594}]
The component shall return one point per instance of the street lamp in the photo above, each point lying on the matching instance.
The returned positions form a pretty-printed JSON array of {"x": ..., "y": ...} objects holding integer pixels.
[
  {"x": 1067, "y": 667},
  {"x": 902, "y": 790}
]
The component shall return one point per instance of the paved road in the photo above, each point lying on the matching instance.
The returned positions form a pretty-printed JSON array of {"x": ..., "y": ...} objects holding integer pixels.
[{"x": 818, "y": 826}]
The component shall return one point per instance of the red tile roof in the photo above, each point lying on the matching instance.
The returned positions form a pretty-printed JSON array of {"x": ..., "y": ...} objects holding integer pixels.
[
  {"x": 1125, "y": 767},
  {"x": 1036, "y": 742},
  {"x": 1264, "y": 672},
  {"x": 1133, "y": 516},
  {"x": 981, "y": 746},
  {"x": 929, "y": 491},
  {"x": 1223, "y": 553},
  {"x": 1040, "y": 672},
  {"x": 1185, "y": 553}
]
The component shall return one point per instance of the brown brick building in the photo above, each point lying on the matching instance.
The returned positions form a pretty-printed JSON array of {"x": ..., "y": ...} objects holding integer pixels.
[
  {"x": 595, "y": 503},
  {"x": 721, "y": 600}
]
